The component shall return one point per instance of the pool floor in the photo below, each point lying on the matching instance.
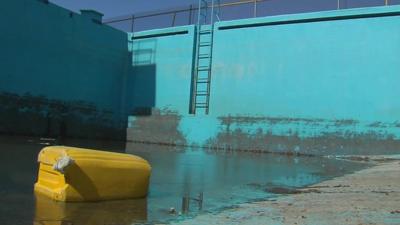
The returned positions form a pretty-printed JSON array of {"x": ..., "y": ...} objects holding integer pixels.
[{"x": 184, "y": 182}]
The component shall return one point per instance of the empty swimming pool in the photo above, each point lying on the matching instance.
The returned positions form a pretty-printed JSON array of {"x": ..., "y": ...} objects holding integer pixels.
[{"x": 184, "y": 182}]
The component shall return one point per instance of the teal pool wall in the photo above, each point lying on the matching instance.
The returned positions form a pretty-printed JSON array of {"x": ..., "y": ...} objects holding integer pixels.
[
  {"x": 61, "y": 73},
  {"x": 165, "y": 98},
  {"x": 315, "y": 83}
]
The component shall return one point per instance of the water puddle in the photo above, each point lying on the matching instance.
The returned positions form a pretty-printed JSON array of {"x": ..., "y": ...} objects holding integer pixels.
[{"x": 184, "y": 182}]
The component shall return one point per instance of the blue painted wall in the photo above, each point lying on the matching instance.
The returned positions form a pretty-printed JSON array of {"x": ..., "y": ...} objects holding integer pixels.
[
  {"x": 60, "y": 72},
  {"x": 316, "y": 83}
]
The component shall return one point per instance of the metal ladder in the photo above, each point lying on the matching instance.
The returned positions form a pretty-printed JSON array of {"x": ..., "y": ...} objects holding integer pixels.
[{"x": 203, "y": 56}]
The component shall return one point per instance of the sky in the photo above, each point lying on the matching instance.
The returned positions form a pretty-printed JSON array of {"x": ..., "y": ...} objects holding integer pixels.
[
  {"x": 125, "y": 8},
  {"x": 113, "y": 8}
]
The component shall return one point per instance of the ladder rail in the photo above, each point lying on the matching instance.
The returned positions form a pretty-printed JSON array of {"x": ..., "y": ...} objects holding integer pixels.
[
  {"x": 201, "y": 86},
  {"x": 196, "y": 74},
  {"x": 210, "y": 66}
]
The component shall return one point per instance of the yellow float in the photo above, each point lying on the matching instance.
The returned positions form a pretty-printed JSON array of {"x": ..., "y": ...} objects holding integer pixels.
[{"x": 75, "y": 174}]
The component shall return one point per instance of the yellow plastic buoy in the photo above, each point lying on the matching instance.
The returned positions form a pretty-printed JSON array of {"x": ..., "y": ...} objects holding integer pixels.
[{"x": 76, "y": 174}]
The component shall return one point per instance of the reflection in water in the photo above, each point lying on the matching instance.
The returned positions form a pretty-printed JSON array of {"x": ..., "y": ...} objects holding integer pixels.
[
  {"x": 126, "y": 212},
  {"x": 224, "y": 179}
]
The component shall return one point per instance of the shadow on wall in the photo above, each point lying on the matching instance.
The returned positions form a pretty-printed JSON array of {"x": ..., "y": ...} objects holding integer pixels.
[
  {"x": 143, "y": 90},
  {"x": 41, "y": 116},
  {"x": 148, "y": 124},
  {"x": 142, "y": 84}
]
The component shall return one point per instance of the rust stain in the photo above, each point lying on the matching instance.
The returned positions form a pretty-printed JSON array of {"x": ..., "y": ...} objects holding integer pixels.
[
  {"x": 161, "y": 127},
  {"x": 325, "y": 137},
  {"x": 347, "y": 122},
  {"x": 324, "y": 144},
  {"x": 227, "y": 120},
  {"x": 330, "y": 137}
]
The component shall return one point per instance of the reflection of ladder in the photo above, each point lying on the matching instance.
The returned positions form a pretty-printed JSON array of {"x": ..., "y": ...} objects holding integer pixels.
[{"x": 203, "y": 56}]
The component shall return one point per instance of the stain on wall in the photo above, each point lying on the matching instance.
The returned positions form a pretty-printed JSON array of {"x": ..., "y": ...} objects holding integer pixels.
[
  {"x": 304, "y": 136},
  {"x": 41, "y": 116},
  {"x": 161, "y": 127},
  {"x": 266, "y": 134}
]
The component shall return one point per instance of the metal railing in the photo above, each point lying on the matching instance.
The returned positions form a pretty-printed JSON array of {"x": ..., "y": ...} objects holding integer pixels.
[{"x": 231, "y": 10}]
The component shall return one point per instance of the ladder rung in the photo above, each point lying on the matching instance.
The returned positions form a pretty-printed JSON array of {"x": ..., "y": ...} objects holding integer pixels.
[
  {"x": 203, "y": 105},
  {"x": 205, "y": 32},
  {"x": 202, "y": 81},
  {"x": 205, "y": 57},
  {"x": 203, "y": 68},
  {"x": 202, "y": 44},
  {"x": 203, "y": 93}
]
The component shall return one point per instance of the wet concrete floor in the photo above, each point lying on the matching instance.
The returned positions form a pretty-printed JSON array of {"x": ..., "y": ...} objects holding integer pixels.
[{"x": 223, "y": 178}]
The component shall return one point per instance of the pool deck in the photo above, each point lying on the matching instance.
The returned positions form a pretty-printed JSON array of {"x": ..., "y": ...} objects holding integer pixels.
[{"x": 369, "y": 196}]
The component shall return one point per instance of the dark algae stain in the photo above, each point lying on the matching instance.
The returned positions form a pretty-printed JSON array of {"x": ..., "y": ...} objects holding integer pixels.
[{"x": 40, "y": 116}]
